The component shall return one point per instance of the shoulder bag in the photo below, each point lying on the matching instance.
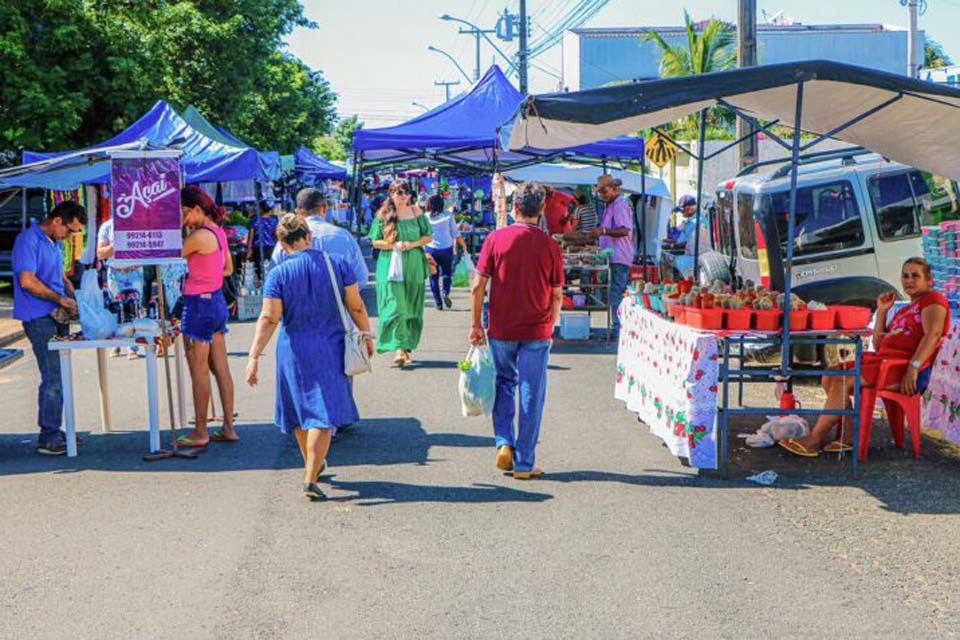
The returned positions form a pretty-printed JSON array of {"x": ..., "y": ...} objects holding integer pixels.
[{"x": 356, "y": 360}]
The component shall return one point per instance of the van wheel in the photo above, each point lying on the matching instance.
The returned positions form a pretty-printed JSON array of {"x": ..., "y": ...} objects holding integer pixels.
[{"x": 713, "y": 266}]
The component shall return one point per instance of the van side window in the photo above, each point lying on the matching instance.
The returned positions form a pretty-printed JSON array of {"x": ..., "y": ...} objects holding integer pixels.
[
  {"x": 937, "y": 196},
  {"x": 723, "y": 223},
  {"x": 894, "y": 204},
  {"x": 746, "y": 226},
  {"x": 827, "y": 220}
]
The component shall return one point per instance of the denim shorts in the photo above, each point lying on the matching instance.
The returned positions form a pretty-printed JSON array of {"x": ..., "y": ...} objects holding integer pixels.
[{"x": 204, "y": 315}]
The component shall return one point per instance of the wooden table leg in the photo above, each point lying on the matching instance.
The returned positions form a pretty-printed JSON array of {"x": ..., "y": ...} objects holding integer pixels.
[
  {"x": 153, "y": 415},
  {"x": 69, "y": 417},
  {"x": 105, "y": 421}
]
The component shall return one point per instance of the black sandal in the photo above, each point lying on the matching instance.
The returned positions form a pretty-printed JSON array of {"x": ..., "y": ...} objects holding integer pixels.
[{"x": 313, "y": 493}]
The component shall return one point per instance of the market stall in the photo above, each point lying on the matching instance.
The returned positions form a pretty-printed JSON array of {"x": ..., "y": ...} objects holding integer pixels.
[{"x": 828, "y": 99}]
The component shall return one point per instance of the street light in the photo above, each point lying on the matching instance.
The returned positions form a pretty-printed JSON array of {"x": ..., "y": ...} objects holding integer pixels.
[
  {"x": 478, "y": 32},
  {"x": 424, "y": 107},
  {"x": 451, "y": 59}
]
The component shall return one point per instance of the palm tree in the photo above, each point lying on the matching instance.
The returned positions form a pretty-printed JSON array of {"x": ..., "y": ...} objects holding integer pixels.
[{"x": 708, "y": 49}]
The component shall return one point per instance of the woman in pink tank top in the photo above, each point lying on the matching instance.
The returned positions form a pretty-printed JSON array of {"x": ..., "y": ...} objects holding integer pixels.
[{"x": 205, "y": 315}]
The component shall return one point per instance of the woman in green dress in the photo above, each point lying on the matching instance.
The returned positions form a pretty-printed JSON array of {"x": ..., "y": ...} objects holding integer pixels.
[{"x": 400, "y": 226}]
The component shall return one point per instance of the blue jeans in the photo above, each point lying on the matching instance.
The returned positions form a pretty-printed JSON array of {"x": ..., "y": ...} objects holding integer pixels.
[
  {"x": 50, "y": 398},
  {"x": 444, "y": 260},
  {"x": 524, "y": 364},
  {"x": 619, "y": 278}
]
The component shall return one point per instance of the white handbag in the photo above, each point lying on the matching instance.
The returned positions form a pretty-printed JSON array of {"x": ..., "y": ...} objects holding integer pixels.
[
  {"x": 356, "y": 360},
  {"x": 395, "y": 274}
]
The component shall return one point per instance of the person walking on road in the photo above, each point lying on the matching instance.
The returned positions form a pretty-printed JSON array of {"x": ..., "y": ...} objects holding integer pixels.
[
  {"x": 261, "y": 236},
  {"x": 204, "y": 321},
  {"x": 43, "y": 300},
  {"x": 615, "y": 232},
  {"x": 446, "y": 236},
  {"x": 327, "y": 237},
  {"x": 400, "y": 227},
  {"x": 312, "y": 391},
  {"x": 524, "y": 268}
]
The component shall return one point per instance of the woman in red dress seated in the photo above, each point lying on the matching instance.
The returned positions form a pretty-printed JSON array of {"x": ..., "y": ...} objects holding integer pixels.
[{"x": 912, "y": 335}]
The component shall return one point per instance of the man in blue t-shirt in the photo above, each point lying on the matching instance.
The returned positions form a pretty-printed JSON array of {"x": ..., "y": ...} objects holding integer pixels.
[{"x": 43, "y": 302}]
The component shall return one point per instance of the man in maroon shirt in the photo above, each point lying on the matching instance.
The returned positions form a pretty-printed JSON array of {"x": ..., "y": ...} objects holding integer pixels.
[{"x": 525, "y": 270}]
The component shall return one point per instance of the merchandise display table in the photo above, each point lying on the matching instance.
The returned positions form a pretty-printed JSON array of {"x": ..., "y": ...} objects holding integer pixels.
[
  {"x": 667, "y": 374},
  {"x": 940, "y": 404},
  {"x": 670, "y": 374},
  {"x": 66, "y": 349}
]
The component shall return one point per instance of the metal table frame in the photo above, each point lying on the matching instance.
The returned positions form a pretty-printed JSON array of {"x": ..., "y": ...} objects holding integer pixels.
[{"x": 765, "y": 373}]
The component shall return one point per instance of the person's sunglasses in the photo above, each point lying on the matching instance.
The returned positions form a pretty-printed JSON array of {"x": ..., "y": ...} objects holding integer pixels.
[{"x": 402, "y": 192}]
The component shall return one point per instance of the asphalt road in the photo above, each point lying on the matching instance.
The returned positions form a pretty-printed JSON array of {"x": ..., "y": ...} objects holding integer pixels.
[{"x": 424, "y": 538}]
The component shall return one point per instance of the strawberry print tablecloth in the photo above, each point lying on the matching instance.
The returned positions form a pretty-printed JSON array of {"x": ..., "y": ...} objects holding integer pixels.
[
  {"x": 940, "y": 404},
  {"x": 667, "y": 374}
]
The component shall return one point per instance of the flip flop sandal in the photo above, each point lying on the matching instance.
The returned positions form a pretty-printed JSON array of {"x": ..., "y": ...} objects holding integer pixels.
[
  {"x": 185, "y": 442},
  {"x": 220, "y": 436},
  {"x": 837, "y": 446},
  {"x": 399, "y": 362},
  {"x": 797, "y": 449},
  {"x": 527, "y": 475}
]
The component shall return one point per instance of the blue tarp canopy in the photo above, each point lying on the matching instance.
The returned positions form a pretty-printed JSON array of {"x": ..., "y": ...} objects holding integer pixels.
[
  {"x": 310, "y": 167},
  {"x": 463, "y": 132},
  {"x": 203, "y": 160},
  {"x": 269, "y": 160}
]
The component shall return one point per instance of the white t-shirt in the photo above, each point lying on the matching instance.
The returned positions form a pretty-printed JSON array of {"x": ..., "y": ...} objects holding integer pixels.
[{"x": 105, "y": 236}]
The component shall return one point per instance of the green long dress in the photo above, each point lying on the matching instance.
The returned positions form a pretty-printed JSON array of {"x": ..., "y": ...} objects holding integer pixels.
[{"x": 400, "y": 304}]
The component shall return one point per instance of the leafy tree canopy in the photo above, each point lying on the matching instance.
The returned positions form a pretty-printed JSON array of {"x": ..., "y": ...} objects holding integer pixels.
[
  {"x": 934, "y": 55},
  {"x": 73, "y": 72}
]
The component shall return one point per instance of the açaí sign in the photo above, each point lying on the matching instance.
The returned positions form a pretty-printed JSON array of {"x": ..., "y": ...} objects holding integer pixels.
[{"x": 146, "y": 207}]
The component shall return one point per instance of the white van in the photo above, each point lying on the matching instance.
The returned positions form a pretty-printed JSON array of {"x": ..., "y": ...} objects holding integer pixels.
[{"x": 858, "y": 218}]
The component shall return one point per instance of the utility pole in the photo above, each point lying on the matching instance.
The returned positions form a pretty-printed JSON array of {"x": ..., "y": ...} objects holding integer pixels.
[
  {"x": 522, "y": 53},
  {"x": 747, "y": 57},
  {"x": 913, "y": 68},
  {"x": 446, "y": 84}
]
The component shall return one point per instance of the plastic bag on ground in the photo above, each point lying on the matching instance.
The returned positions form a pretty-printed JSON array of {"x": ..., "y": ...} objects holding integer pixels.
[
  {"x": 461, "y": 273},
  {"x": 96, "y": 322},
  {"x": 396, "y": 267},
  {"x": 477, "y": 382},
  {"x": 775, "y": 429}
]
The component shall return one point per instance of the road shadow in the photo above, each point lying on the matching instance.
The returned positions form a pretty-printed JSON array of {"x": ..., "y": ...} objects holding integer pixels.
[
  {"x": 376, "y": 493},
  {"x": 430, "y": 364},
  {"x": 379, "y": 441}
]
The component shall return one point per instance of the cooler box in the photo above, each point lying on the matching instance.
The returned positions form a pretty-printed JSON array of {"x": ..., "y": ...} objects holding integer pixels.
[
  {"x": 574, "y": 325},
  {"x": 248, "y": 307}
]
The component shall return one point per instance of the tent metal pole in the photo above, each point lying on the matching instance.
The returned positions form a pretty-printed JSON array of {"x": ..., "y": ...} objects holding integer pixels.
[
  {"x": 643, "y": 215},
  {"x": 23, "y": 208},
  {"x": 791, "y": 227},
  {"x": 701, "y": 137}
]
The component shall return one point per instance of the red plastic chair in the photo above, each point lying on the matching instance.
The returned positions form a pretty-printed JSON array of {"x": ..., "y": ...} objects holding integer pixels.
[{"x": 901, "y": 409}]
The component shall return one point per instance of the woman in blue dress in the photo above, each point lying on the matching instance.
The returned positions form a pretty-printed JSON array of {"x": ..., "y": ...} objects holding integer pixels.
[{"x": 312, "y": 392}]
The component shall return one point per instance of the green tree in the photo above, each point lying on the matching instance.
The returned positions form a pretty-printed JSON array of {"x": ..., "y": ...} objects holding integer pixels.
[
  {"x": 934, "y": 55},
  {"x": 708, "y": 48},
  {"x": 338, "y": 146},
  {"x": 73, "y": 72}
]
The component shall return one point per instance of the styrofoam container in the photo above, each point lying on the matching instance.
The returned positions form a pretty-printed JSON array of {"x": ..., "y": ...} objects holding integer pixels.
[
  {"x": 248, "y": 307},
  {"x": 574, "y": 325}
]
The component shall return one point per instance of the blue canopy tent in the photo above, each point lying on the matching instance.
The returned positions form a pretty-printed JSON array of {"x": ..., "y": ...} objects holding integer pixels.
[
  {"x": 310, "y": 167},
  {"x": 203, "y": 160},
  {"x": 464, "y": 133}
]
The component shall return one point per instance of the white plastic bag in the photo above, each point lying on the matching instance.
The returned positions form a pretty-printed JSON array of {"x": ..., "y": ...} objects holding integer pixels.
[
  {"x": 471, "y": 269},
  {"x": 396, "y": 267},
  {"x": 477, "y": 382},
  {"x": 96, "y": 322}
]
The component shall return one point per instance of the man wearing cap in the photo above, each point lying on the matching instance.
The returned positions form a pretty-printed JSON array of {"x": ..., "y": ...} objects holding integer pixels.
[
  {"x": 615, "y": 232},
  {"x": 686, "y": 208},
  {"x": 685, "y": 239}
]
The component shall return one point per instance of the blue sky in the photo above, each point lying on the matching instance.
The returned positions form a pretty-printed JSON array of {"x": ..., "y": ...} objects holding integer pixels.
[{"x": 374, "y": 52}]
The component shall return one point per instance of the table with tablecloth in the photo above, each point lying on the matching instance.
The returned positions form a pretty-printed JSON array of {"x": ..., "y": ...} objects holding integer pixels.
[
  {"x": 667, "y": 373},
  {"x": 940, "y": 405}
]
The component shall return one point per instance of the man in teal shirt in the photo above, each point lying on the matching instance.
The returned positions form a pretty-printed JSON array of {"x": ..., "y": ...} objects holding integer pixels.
[{"x": 43, "y": 302}]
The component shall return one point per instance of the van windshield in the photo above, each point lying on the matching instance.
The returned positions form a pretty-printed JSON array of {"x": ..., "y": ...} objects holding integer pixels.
[{"x": 828, "y": 218}]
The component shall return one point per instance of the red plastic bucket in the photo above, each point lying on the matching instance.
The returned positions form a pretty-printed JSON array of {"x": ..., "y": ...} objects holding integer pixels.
[
  {"x": 709, "y": 319},
  {"x": 822, "y": 319},
  {"x": 738, "y": 319},
  {"x": 852, "y": 317},
  {"x": 798, "y": 320},
  {"x": 767, "y": 319}
]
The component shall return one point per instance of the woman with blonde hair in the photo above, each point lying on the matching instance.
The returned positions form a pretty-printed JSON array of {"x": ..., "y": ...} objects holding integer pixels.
[
  {"x": 400, "y": 227},
  {"x": 312, "y": 391}
]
